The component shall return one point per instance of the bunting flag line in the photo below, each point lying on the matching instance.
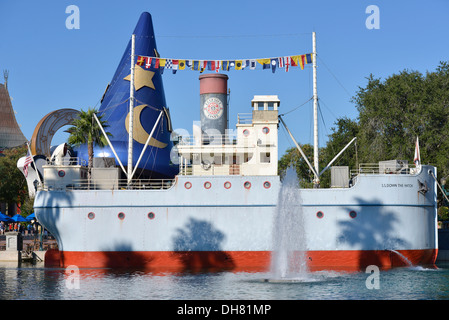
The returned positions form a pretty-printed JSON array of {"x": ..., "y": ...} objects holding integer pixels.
[{"x": 275, "y": 63}]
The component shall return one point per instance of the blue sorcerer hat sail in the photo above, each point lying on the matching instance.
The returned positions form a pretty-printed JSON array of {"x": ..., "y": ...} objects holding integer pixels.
[{"x": 149, "y": 101}]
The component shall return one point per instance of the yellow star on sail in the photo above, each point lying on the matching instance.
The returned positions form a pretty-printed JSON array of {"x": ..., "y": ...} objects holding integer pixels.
[{"x": 142, "y": 78}]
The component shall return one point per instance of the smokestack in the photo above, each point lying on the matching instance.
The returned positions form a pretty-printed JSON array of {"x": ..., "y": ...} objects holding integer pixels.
[{"x": 213, "y": 107}]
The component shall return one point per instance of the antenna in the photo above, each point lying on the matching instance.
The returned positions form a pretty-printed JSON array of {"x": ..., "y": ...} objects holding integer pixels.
[{"x": 5, "y": 75}]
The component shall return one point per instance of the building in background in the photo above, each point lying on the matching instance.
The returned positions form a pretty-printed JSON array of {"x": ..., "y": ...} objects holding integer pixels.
[{"x": 10, "y": 133}]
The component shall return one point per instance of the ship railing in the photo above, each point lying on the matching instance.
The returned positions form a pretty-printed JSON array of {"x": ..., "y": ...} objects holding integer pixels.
[
  {"x": 244, "y": 118},
  {"x": 210, "y": 169},
  {"x": 150, "y": 183},
  {"x": 376, "y": 168},
  {"x": 188, "y": 140},
  {"x": 114, "y": 184},
  {"x": 185, "y": 169},
  {"x": 72, "y": 161},
  {"x": 207, "y": 139}
]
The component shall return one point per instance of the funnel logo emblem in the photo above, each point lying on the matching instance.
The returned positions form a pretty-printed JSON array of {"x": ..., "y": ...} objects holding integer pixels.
[{"x": 213, "y": 108}]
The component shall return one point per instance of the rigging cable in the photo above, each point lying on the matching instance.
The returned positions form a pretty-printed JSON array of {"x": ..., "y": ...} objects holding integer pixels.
[
  {"x": 236, "y": 36},
  {"x": 338, "y": 81},
  {"x": 283, "y": 114}
]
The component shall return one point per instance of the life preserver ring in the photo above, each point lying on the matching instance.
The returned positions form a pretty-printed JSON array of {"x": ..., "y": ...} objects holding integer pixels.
[{"x": 206, "y": 165}]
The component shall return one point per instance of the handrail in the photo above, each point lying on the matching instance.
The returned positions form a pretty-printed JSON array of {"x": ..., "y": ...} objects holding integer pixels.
[
  {"x": 114, "y": 184},
  {"x": 244, "y": 118},
  {"x": 376, "y": 168},
  {"x": 72, "y": 161},
  {"x": 208, "y": 139}
]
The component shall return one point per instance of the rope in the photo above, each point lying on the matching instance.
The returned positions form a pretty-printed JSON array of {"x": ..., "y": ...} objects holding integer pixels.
[
  {"x": 235, "y": 36},
  {"x": 151, "y": 107},
  {"x": 442, "y": 191},
  {"x": 296, "y": 108}
]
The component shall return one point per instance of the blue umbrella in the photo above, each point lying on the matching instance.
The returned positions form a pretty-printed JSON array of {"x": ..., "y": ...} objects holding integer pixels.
[
  {"x": 31, "y": 217},
  {"x": 4, "y": 217},
  {"x": 18, "y": 218}
]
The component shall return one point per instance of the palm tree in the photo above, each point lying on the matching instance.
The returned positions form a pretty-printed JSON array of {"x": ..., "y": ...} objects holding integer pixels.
[{"x": 85, "y": 129}]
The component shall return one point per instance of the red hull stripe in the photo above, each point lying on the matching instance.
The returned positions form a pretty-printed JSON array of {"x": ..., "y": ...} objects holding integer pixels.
[{"x": 238, "y": 260}]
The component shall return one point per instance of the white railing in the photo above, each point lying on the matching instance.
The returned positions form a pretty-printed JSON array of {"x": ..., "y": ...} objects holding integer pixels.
[
  {"x": 377, "y": 168},
  {"x": 185, "y": 169},
  {"x": 115, "y": 184},
  {"x": 72, "y": 161},
  {"x": 244, "y": 118},
  {"x": 207, "y": 139},
  {"x": 211, "y": 169}
]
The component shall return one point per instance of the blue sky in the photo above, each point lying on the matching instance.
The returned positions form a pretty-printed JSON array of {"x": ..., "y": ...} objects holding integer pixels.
[{"x": 52, "y": 67}]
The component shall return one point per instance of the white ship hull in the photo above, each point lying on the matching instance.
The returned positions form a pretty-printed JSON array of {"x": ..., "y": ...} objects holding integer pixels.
[{"x": 233, "y": 227}]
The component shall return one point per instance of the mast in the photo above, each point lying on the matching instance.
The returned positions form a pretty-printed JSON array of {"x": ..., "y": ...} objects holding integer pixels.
[
  {"x": 131, "y": 112},
  {"x": 316, "y": 181}
]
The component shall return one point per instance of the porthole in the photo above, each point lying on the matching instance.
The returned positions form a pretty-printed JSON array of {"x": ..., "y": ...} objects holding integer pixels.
[
  {"x": 61, "y": 173},
  {"x": 151, "y": 215},
  {"x": 353, "y": 214},
  {"x": 267, "y": 184},
  {"x": 319, "y": 214},
  {"x": 91, "y": 215},
  {"x": 247, "y": 185},
  {"x": 188, "y": 185},
  {"x": 207, "y": 185},
  {"x": 266, "y": 130},
  {"x": 246, "y": 132},
  {"x": 121, "y": 215},
  {"x": 227, "y": 185}
]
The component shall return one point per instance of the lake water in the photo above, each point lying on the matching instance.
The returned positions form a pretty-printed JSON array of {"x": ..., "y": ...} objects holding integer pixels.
[{"x": 35, "y": 282}]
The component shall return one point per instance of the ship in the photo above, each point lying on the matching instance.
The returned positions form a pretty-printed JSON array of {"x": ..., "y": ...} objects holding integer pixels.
[{"x": 209, "y": 200}]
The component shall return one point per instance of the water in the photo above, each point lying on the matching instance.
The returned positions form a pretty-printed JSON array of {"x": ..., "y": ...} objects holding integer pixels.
[
  {"x": 289, "y": 241},
  {"x": 288, "y": 279},
  {"x": 404, "y": 258},
  {"x": 38, "y": 283}
]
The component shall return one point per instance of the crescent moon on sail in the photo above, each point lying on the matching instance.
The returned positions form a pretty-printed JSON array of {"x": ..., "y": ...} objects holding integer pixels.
[{"x": 139, "y": 133}]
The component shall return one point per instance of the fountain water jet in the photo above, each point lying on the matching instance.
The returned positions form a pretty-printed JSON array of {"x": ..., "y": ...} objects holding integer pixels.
[
  {"x": 404, "y": 258},
  {"x": 288, "y": 259}
]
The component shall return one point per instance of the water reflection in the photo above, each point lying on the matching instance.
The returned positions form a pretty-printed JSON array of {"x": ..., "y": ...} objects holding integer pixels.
[
  {"x": 38, "y": 283},
  {"x": 28, "y": 281}
]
